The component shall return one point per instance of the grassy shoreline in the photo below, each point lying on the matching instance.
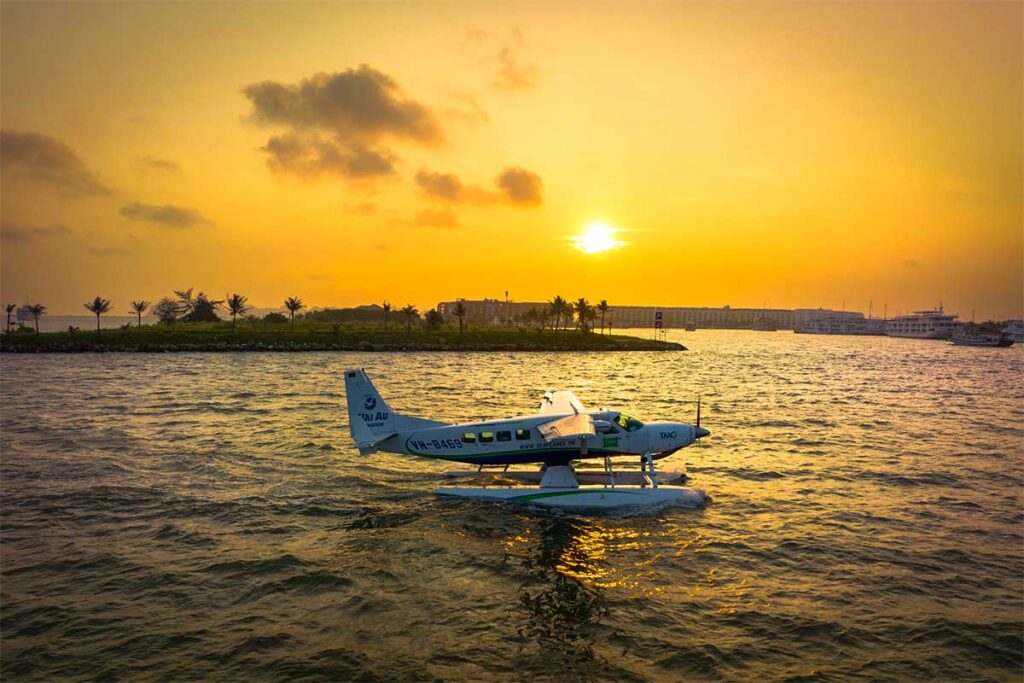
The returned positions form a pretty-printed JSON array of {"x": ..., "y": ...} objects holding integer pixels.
[{"x": 314, "y": 336}]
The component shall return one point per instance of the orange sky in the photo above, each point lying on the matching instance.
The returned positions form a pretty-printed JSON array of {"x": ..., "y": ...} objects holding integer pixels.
[{"x": 796, "y": 155}]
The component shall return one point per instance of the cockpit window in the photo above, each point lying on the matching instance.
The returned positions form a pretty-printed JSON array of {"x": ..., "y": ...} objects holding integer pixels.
[{"x": 630, "y": 424}]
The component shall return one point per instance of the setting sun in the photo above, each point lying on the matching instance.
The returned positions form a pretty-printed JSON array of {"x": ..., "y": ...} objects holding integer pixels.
[{"x": 597, "y": 237}]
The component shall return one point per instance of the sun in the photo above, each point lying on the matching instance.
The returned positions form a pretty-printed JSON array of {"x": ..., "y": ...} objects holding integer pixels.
[{"x": 596, "y": 237}]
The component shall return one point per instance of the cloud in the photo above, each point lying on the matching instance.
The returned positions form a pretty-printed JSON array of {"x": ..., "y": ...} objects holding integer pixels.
[
  {"x": 14, "y": 232},
  {"x": 514, "y": 185},
  {"x": 337, "y": 121},
  {"x": 436, "y": 218},
  {"x": 444, "y": 185},
  {"x": 176, "y": 217},
  {"x": 47, "y": 160},
  {"x": 520, "y": 186},
  {"x": 310, "y": 156},
  {"x": 154, "y": 164}
]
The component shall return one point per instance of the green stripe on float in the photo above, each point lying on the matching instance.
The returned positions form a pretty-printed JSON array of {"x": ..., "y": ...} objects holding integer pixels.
[{"x": 553, "y": 494}]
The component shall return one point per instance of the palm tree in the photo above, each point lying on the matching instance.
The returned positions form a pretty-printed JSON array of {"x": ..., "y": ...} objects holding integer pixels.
[
  {"x": 294, "y": 305},
  {"x": 386, "y": 307},
  {"x": 409, "y": 312},
  {"x": 602, "y": 308},
  {"x": 139, "y": 307},
  {"x": 236, "y": 306},
  {"x": 460, "y": 312},
  {"x": 99, "y": 306},
  {"x": 558, "y": 305},
  {"x": 10, "y": 309},
  {"x": 37, "y": 310},
  {"x": 187, "y": 302},
  {"x": 583, "y": 313}
]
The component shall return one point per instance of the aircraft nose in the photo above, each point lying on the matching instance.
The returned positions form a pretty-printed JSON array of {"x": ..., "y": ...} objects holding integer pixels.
[{"x": 700, "y": 432}]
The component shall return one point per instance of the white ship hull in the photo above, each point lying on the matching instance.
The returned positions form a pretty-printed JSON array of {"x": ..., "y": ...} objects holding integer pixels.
[{"x": 930, "y": 334}]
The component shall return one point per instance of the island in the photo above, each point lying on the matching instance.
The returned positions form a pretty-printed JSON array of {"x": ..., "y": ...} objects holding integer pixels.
[{"x": 319, "y": 336}]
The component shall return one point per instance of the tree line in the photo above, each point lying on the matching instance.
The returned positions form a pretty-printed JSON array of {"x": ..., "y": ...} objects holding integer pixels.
[{"x": 184, "y": 306}]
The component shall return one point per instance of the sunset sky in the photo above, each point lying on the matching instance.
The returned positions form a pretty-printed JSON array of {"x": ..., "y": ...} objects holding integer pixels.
[{"x": 795, "y": 155}]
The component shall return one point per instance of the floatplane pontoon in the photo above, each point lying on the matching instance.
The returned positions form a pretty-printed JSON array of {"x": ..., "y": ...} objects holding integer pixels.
[{"x": 561, "y": 433}]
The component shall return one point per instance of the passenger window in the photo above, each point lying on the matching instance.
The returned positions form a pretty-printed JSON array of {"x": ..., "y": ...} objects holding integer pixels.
[
  {"x": 522, "y": 435},
  {"x": 486, "y": 437},
  {"x": 504, "y": 436},
  {"x": 469, "y": 437}
]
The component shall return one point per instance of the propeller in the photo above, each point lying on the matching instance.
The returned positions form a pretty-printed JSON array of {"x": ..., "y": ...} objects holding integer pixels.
[{"x": 699, "y": 432}]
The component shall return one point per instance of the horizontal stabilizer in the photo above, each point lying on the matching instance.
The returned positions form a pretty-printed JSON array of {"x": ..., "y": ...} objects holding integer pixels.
[
  {"x": 571, "y": 427},
  {"x": 369, "y": 447}
]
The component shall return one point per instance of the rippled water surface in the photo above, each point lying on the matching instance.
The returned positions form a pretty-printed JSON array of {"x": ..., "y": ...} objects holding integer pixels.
[{"x": 203, "y": 516}]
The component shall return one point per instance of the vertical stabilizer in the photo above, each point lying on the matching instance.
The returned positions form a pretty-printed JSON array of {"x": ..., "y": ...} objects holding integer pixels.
[{"x": 370, "y": 418}]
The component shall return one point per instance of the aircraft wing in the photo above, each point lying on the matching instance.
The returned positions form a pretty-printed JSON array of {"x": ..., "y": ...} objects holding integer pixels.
[
  {"x": 571, "y": 427},
  {"x": 560, "y": 403}
]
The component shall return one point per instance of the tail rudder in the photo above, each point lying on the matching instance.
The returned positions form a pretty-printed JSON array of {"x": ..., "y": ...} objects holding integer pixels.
[{"x": 370, "y": 418}]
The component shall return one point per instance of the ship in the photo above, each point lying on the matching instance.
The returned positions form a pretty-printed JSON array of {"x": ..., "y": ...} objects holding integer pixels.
[
  {"x": 824, "y": 321},
  {"x": 24, "y": 314},
  {"x": 1015, "y": 330},
  {"x": 971, "y": 335},
  {"x": 933, "y": 324},
  {"x": 765, "y": 324}
]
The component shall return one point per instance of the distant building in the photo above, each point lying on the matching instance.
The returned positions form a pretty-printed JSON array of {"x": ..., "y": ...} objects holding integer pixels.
[{"x": 496, "y": 310}]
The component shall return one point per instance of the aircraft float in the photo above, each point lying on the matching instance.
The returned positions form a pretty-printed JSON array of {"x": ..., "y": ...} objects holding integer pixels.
[{"x": 561, "y": 433}]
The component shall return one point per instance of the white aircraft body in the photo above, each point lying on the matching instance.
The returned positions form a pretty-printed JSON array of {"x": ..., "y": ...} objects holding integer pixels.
[{"x": 561, "y": 432}]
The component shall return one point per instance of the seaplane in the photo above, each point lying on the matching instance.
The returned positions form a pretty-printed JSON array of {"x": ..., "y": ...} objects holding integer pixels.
[{"x": 559, "y": 436}]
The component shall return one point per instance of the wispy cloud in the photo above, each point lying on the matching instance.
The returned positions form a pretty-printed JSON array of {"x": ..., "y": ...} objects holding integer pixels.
[
  {"x": 167, "y": 215},
  {"x": 14, "y": 232},
  {"x": 48, "y": 161},
  {"x": 110, "y": 251},
  {"x": 365, "y": 208},
  {"x": 504, "y": 53},
  {"x": 436, "y": 218},
  {"x": 155, "y": 164}
]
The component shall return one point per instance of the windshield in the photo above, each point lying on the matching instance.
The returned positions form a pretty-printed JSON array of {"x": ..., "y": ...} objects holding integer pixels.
[{"x": 630, "y": 424}]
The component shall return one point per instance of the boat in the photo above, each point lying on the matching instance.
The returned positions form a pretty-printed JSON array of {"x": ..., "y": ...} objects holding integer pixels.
[
  {"x": 933, "y": 324},
  {"x": 835, "y": 322},
  {"x": 972, "y": 336},
  {"x": 690, "y": 326},
  {"x": 1016, "y": 330},
  {"x": 24, "y": 314}
]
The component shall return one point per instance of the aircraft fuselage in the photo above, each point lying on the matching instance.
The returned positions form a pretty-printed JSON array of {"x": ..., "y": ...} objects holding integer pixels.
[{"x": 517, "y": 440}]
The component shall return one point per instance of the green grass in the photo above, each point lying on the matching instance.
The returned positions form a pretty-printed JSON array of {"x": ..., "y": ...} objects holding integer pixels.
[{"x": 324, "y": 336}]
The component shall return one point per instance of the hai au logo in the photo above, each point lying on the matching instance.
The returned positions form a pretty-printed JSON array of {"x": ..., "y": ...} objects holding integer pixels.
[{"x": 371, "y": 403}]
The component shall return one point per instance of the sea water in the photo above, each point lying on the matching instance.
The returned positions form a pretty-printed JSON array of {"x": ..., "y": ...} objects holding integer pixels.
[{"x": 204, "y": 516}]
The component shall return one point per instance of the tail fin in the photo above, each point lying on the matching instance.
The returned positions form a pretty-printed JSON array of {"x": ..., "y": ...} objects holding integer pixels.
[{"x": 370, "y": 418}]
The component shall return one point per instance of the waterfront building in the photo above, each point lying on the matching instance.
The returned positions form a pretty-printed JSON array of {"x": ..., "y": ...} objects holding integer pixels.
[{"x": 496, "y": 310}]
